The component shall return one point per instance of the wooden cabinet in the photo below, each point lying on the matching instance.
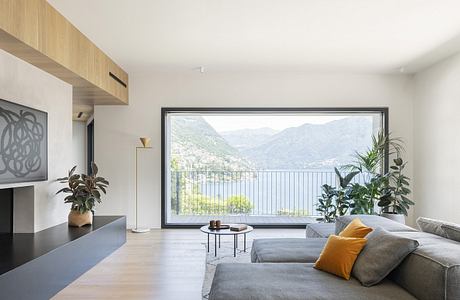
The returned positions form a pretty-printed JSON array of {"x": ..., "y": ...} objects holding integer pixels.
[{"x": 37, "y": 33}]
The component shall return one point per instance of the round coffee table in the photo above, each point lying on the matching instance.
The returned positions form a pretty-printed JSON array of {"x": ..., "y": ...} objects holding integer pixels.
[{"x": 219, "y": 232}]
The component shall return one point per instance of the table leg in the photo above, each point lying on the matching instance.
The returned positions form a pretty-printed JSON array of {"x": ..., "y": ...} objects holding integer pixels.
[
  {"x": 208, "y": 242},
  {"x": 236, "y": 236},
  {"x": 215, "y": 245},
  {"x": 219, "y": 240},
  {"x": 245, "y": 242},
  {"x": 234, "y": 245}
]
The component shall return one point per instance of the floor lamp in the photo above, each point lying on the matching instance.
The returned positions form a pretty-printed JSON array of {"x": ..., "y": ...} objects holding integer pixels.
[{"x": 145, "y": 145}]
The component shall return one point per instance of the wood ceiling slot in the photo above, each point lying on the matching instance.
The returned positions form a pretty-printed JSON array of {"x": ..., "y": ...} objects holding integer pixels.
[{"x": 117, "y": 79}]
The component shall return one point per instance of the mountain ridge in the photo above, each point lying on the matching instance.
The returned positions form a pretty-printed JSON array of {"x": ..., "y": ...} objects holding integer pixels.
[
  {"x": 313, "y": 145},
  {"x": 198, "y": 145},
  {"x": 248, "y": 138}
]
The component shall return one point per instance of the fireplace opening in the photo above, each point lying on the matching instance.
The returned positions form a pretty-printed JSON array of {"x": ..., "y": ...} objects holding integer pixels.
[{"x": 6, "y": 211}]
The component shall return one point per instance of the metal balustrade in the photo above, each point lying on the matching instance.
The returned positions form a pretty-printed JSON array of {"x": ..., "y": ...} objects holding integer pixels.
[{"x": 252, "y": 193}]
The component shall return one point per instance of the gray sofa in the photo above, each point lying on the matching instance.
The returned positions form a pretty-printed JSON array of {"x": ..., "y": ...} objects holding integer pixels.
[{"x": 282, "y": 269}]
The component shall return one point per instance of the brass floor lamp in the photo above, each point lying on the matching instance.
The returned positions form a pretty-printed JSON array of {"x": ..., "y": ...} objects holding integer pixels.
[{"x": 145, "y": 145}]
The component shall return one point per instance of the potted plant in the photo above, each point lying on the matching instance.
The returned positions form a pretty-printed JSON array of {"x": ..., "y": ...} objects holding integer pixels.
[
  {"x": 370, "y": 164},
  {"x": 336, "y": 201},
  {"x": 387, "y": 190},
  {"x": 394, "y": 200},
  {"x": 326, "y": 204},
  {"x": 365, "y": 195},
  {"x": 84, "y": 192}
]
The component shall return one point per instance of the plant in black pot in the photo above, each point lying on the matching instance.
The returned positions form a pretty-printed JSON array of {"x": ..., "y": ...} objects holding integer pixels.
[
  {"x": 84, "y": 192},
  {"x": 395, "y": 200}
]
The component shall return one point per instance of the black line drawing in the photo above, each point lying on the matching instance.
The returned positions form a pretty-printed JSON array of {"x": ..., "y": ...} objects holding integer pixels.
[
  {"x": 23, "y": 139},
  {"x": 20, "y": 143}
]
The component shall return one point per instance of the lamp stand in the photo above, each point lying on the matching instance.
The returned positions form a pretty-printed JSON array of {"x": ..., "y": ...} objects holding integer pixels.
[{"x": 137, "y": 229}]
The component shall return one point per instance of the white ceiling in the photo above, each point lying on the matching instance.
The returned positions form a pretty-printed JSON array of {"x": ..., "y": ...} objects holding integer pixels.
[{"x": 340, "y": 35}]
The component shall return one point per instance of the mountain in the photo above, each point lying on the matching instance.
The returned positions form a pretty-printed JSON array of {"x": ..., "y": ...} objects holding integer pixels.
[
  {"x": 313, "y": 145},
  {"x": 243, "y": 139},
  {"x": 196, "y": 145}
]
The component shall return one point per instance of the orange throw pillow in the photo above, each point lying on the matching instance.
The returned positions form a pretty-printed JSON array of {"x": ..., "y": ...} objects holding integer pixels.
[
  {"x": 355, "y": 229},
  {"x": 339, "y": 255}
]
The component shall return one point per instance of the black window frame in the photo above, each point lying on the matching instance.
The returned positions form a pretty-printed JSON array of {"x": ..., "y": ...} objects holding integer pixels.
[
  {"x": 89, "y": 146},
  {"x": 384, "y": 111}
]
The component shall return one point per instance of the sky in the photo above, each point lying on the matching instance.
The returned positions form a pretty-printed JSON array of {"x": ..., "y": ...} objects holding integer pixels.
[{"x": 278, "y": 122}]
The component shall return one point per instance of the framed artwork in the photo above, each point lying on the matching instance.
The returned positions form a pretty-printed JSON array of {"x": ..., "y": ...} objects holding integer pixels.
[{"x": 23, "y": 143}]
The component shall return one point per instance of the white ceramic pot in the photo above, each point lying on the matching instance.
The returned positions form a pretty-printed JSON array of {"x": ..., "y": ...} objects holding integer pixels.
[{"x": 395, "y": 217}]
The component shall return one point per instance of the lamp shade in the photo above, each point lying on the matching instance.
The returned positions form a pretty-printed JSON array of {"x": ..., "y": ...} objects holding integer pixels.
[{"x": 145, "y": 141}]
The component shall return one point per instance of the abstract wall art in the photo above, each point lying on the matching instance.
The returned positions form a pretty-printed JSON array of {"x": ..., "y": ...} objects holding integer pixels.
[{"x": 23, "y": 143}]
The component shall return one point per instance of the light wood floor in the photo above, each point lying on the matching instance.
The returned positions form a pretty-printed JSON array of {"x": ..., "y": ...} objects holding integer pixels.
[{"x": 163, "y": 264}]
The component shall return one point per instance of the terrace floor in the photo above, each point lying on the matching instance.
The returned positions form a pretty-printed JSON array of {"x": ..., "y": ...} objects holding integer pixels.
[{"x": 252, "y": 220}]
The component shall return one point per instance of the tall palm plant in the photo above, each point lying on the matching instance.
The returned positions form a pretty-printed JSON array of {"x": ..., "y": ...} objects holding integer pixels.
[
  {"x": 371, "y": 164},
  {"x": 372, "y": 161}
]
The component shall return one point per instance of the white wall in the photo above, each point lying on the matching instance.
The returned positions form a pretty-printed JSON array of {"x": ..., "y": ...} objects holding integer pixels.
[
  {"x": 436, "y": 140},
  {"x": 117, "y": 128},
  {"x": 79, "y": 146},
  {"x": 23, "y": 83}
]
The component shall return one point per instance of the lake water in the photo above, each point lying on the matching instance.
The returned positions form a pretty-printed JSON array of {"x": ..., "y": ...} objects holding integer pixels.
[{"x": 274, "y": 192}]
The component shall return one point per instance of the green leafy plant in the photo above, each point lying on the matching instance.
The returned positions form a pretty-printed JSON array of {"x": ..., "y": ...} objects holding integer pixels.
[
  {"x": 371, "y": 165},
  {"x": 84, "y": 190},
  {"x": 365, "y": 195},
  {"x": 238, "y": 205},
  {"x": 199, "y": 204},
  {"x": 394, "y": 198},
  {"x": 326, "y": 203},
  {"x": 344, "y": 193},
  {"x": 293, "y": 212},
  {"x": 373, "y": 159},
  {"x": 388, "y": 190},
  {"x": 336, "y": 201}
]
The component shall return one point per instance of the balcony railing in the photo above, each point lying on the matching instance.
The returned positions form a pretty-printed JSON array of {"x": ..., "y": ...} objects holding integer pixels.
[{"x": 253, "y": 193}]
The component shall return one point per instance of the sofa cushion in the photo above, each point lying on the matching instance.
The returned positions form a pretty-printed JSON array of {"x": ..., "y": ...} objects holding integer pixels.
[
  {"x": 431, "y": 226},
  {"x": 452, "y": 231},
  {"x": 293, "y": 282},
  {"x": 287, "y": 250},
  {"x": 432, "y": 271},
  {"x": 355, "y": 229},
  {"x": 383, "y": 252},
  {"x": 339, "y": 255},
  {"x": 320, "y": 230},
  {"x": 371, "y": 221}
]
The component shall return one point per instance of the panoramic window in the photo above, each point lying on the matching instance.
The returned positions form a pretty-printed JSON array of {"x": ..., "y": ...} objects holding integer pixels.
[{"x": 257, "y": 166}]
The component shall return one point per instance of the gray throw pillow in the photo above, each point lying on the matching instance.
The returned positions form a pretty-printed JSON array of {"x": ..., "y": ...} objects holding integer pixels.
[
  {"x": 383, "y": 252},
  {"x": 452, "y": 231},
  {"x": 431, "y": 226}
]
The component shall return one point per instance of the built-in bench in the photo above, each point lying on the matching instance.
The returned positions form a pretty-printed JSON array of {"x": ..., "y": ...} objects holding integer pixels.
[{"x": 39, "y": 265}]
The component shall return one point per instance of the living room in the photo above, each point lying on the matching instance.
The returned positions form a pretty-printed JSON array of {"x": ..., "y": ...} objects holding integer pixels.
[{"x": 308, "y": 127}]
